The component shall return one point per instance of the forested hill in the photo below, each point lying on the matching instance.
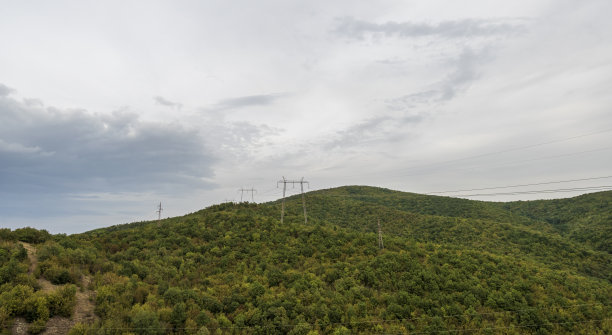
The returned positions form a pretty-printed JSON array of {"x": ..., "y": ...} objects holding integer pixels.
[{"x": 448, "y": 266}]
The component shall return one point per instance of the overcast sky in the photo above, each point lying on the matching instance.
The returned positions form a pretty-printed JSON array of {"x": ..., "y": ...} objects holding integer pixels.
[{"x": 109, "y": 107}]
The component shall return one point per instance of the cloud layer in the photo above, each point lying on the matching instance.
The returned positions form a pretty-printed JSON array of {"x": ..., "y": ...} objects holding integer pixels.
[
  {"x": 48, "y": 150},
  {"x": 467, "y": 28}
]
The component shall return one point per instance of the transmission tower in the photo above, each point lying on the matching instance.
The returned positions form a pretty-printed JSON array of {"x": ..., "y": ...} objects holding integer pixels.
[
  {"x": 159, "y": 210},
  {"x": 247, "y": 190},
  {"x": 380, "y": 242},
  {"x": 293, "y": 182}
]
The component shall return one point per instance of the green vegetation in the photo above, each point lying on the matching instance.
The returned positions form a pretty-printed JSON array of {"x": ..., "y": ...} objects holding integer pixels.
[
  {"x": 20, "y": 293},
  {"x": 455, "y": 265}
]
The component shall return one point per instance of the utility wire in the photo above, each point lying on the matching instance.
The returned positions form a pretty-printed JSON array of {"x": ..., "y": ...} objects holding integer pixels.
[
  {"x": 398, "y": 172},
  {"x": 516, "y": 162},
  {"x": 520, "y": 185},
  {"x": 561, "y": 190}
]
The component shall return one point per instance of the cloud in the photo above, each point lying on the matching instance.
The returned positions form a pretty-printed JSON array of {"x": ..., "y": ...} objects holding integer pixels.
[
  {"x": 17, "y": 148},
  {"x": 359, "y": 29},
  {"x": 246, "y": 101},
  {"x": 49, "y": 150},
  {"x": 5, "y": 90},
  {"x": 161, "y": 101},
  {"x": 413, "y": 100},
  {"x": 381, "y": 129},
  {"x": 411, "y": 109},
  {"x": 464, "y": 72}
]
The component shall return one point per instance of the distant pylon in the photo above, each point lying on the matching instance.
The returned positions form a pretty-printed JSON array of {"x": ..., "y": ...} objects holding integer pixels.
[
  {"x": 247, "y": 190},
  {"x": 159, "y": 210},
  {"x": 304, "y": 199}
]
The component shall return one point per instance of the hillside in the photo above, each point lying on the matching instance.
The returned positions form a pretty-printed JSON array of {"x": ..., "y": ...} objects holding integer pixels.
[
  {"x": 585, "y": 219},
  {"x": 448, "y": 266}
]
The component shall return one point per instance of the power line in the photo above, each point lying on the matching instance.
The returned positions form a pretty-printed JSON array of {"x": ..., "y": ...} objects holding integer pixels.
[
  {"x": 561, "y": 190},
  {"x": 398, "y": 172},
  {"x": 575, "y": 189},
  {"x": 514, "y": 162},
  {"x": 520, "y": 185},
  {"x": 273, "y": 192},
  {"x": 519, "y": 148}
]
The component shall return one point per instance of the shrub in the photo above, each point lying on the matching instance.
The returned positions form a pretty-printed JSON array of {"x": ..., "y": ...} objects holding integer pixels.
[{"x": 31, "y": 235}]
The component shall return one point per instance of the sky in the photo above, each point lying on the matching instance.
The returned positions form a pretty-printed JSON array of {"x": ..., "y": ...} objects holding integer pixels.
[{"x": 108, "y": 108}]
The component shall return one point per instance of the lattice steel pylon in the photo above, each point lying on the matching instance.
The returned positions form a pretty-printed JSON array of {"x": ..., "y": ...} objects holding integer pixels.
[{"x": 293, "y": 182}]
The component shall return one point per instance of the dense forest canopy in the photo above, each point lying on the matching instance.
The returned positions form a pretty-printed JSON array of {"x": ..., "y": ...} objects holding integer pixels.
[{"x": 448, "y": 266}]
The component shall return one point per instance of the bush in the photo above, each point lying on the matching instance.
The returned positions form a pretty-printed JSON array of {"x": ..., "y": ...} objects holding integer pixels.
[
  {"x": 145, "y": 321},
  {"x": 57, "y": 275},
  {"x": 4, "y": 318},
  {"x": 62, "y": 301},
  {"x": 36, "y": 307},
  {"x": 79, "y": 329},
  {"x": 31, "y": 235},
  {"x": 37, "y": 326},
  {"x": 21, "y": 254},
  {"x": 13, "y": 300},
  {"x": 7, "y": 235}
]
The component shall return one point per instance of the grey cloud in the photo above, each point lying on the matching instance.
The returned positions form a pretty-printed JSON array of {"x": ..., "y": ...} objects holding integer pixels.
[
  {"x": 412, "y": 108},
  {"x": 238, "y": 141},
  {"x": 161, "y": 101},
  {"x": 47, "y": 150},
  {"x": 5, "y": 90},
  {"x": 358, "y": 29},
  {"x": 246, "y": 101},
  {"x": 382, "y": 129},
  {"x": 465, "y": 71},
  {"x": 413, "y": 100}
]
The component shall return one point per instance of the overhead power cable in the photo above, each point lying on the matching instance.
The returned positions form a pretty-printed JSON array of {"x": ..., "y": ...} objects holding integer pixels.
[
  {"x": 550, "y": 191},
  {"x": 560, "y": 190},
  {"x": 518, "y": 148},
  {"x": 521, "y": 185},
  {"x": 402, "y": 171}
]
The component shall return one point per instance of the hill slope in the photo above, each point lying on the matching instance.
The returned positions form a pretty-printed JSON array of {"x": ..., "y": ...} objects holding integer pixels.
[
  {"x": 585, "y": 219},
  {"x": 449, "y": 265}
]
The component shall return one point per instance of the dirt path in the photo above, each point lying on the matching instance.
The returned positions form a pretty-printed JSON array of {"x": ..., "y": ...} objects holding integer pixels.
[
  {"x": 83, "y": 309},
  {"x": 45, "y": 285},
  {"x": 31, "y": 255}
]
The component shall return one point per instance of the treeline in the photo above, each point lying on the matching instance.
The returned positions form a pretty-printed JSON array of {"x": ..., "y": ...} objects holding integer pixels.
[{"x": 27, "y": 234}]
